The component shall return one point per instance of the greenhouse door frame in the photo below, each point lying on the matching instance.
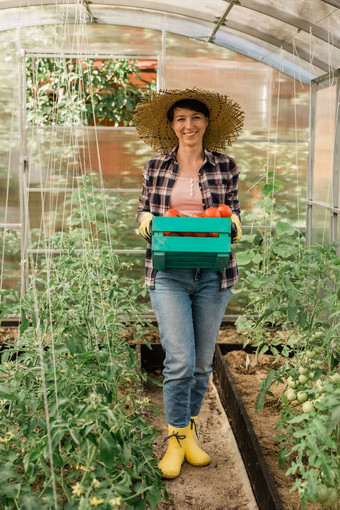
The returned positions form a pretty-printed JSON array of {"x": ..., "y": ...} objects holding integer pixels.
[
  {"x": 327, "y": 80},
  {"x": 24, "y": 159}
]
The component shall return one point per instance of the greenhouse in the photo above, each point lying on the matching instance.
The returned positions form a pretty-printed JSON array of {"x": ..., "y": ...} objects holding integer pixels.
[{"x": 86, "y": 366}]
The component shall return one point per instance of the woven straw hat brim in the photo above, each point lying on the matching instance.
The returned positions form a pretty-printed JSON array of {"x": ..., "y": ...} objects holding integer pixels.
[{"x": 225, "y": 121}]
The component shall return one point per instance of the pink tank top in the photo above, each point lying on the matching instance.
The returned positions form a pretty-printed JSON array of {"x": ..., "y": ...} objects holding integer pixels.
[{"x": 186, "y": 196}]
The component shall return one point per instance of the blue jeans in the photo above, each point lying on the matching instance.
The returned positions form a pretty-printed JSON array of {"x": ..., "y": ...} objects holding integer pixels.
[{"x": 189, "y": 308}]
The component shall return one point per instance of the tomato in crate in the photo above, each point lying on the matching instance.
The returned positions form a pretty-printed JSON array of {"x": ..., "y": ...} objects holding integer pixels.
[{"x": 190, "y": 242}]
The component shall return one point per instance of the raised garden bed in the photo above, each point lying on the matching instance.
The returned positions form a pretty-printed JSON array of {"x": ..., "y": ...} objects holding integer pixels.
[
  {"x": 263, "y": 484},
  {"x": 254, "y": 432}
]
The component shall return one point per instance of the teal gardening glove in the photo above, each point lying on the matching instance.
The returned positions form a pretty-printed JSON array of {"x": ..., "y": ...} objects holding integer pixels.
[
  {"x": 236, "y": 231},
  {"x": 145, "y": 225}
]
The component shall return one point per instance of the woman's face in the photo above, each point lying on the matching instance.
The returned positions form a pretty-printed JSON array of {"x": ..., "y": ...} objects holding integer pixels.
[{"x": 189, "y": 126}]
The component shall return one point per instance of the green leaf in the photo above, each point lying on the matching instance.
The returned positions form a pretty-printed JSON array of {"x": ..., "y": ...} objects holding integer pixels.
[
  {"x": 6, "y": 393},
  {"x": 264, "y": 349},
  {"x": 299, "y": 419},
  {"x": 334, "y": 419},
  {"x": 291, "y": 312},
  {"x": 6, "y": 472},
  {"x": 283, "y": 456},
  {"x": 30, "y": 503},
  {"x": 302, "y": 318},
  {"x": 244, "y": 257},
  {"x": 34, "y": 454},
  {"x": 264, "y": 387},
  {"x": 284, "y": 228},
  {"x": 24, "y": 322},
  {"x": 153, "y": 497},
  {"x": 11, "y": 491},
  {"x": 273, "y": 303},
  {"x": 257, "y": 259},
  {"x": 107, "y": 447}
]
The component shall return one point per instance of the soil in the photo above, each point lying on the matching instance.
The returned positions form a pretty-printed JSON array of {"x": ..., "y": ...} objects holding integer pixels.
[
  {"x": 227, "y": 335},
  {"x": 8, "y": 335}
]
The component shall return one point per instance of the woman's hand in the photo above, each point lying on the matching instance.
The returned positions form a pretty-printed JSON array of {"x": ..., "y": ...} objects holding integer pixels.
[
  {"x": 236, "y": 231},
  {"x": 145, "y": 225}
]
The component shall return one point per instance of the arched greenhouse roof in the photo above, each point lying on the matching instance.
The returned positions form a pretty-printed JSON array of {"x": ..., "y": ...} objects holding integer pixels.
[{"x": 300, "y": 38}]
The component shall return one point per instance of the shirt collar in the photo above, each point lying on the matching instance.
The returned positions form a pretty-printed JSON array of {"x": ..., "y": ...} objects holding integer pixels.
[{"x": 208, "y": 155}]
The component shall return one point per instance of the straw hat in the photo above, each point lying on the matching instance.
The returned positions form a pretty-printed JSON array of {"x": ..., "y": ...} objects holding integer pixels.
[{"x": 225, "y": 120}]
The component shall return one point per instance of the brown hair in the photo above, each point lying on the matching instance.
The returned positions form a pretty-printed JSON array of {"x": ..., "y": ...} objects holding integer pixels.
[{"x": 191, "y": 104}]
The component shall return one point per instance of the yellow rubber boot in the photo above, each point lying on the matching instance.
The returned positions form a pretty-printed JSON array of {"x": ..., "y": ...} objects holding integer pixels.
[
  {"x": 172, "y": 461},
  {"x": 193, "y": 453}
]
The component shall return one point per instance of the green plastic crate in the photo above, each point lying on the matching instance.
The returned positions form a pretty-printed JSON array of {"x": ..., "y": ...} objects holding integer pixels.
[{"x": 190, "y": 252}]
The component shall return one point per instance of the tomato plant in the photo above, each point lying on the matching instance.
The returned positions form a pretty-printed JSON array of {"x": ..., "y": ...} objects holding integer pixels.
[
  {"x": 78, "y": 92},
  {"x": 294, "y": 289},
  {"x": 72, "y": 427}
]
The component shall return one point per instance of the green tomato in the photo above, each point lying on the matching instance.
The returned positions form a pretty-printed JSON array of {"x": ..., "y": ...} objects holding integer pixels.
[
  {"x": 332, "y": 497},
  {"x": 291, "y": 382},
  {"x": 307, "y": 407},
  {"x": 318, "y": 349},
  {"x": 302, "y": 396},
  {"x": 318, "y": 334},
  {"x": 313, "y": 366},
  {"x": 322, "y": 492},
  {"x": 291, "y": 395},
  {"x": 303, "y": 370},
  {"x": 319, "y": 385},
  {"x": 311, "y": 375},
  {"x": 335, "y": 378},
  {"x": 310, "y": 354},
  {"x": 303, "y": 379}
]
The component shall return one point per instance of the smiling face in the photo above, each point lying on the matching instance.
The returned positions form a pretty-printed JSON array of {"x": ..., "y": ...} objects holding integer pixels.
[{"x": 189, "y": 126}]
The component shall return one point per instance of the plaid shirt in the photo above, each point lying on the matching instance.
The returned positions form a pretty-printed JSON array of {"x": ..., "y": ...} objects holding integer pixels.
[{"x": 218, "y": 182}]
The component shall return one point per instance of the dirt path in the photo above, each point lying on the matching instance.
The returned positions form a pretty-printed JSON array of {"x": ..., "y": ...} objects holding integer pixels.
[{"x": 223, "y": 485}]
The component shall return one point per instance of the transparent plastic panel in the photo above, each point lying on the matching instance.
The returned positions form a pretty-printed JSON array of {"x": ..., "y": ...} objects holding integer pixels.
[
  {"x": 59, "y": 156},
  {"x": 288, "y": 162},
  {"x": 178, "y": 47},
  {"x": 268, "y": 25},
  {"x": 275, "y": 105},
  {"x": 289, "y": 114},
  {"x": 267, "y": 53},
  {"x": 93, "y": 37},
  {"x": 10, "y": 253},
  {"x": 9, "y": 181},
  {"x": 94, "y": 215},
  {"x": 246, "y": 84},
  {"x": 331, "y": 23},
  {"x": 320, "y": 225},
  {"x": 319, "y": 49},
  {"x": 324, "y": 144},
  {"x": 9, "y": 112},
  {"x": 309, "y": 10}
]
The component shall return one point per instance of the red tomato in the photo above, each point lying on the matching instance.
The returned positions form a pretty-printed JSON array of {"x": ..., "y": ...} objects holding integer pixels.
[
  {"x": 172, "y": 213},
  {"x": 212, "y": 212},
  {"x": 225, "y": 211}
]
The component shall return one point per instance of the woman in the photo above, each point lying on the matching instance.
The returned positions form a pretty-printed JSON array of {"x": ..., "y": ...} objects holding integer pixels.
[{"x": 188, "y": 127}]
